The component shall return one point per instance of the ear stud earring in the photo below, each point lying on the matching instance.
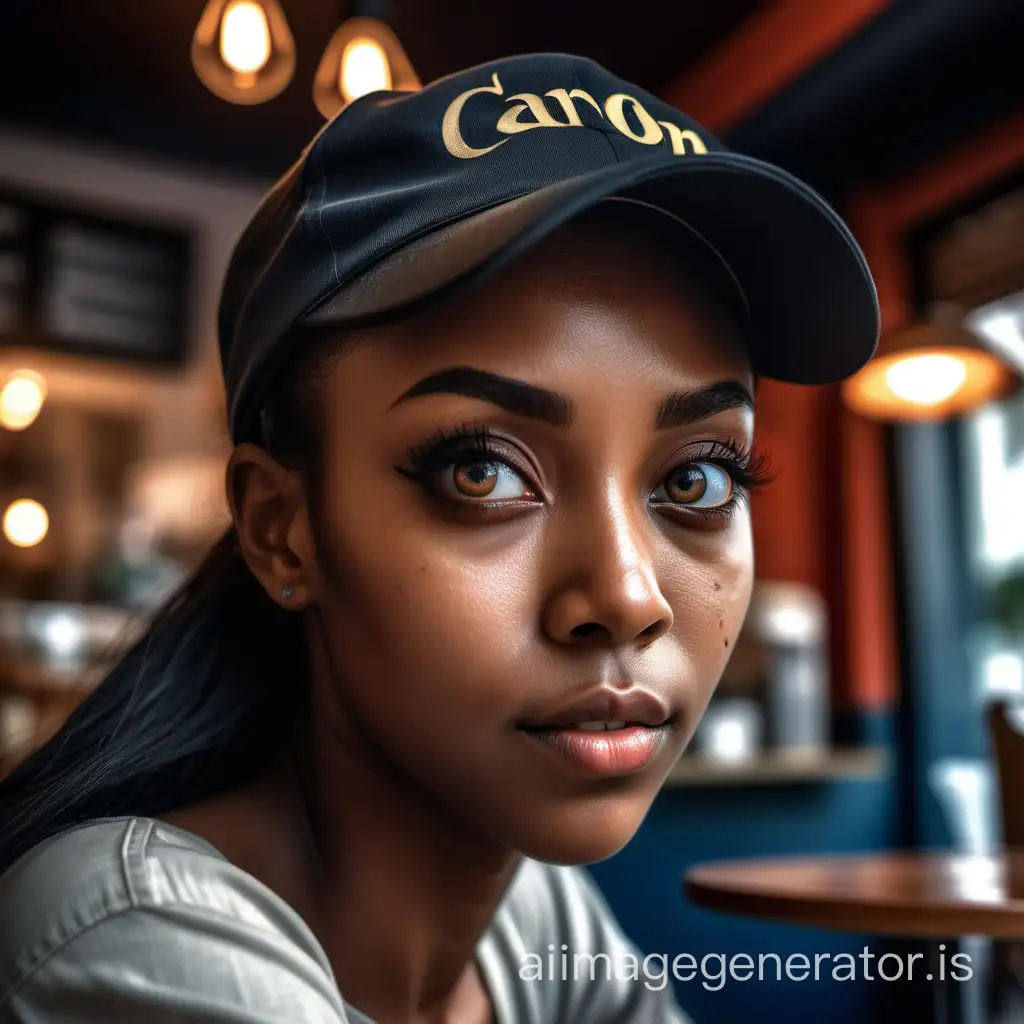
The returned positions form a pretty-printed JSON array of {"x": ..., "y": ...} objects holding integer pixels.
[{"x": 286, "y": 592}]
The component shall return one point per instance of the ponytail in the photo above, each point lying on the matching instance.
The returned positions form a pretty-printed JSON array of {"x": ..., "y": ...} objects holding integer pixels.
[{"x": 203, "y": 701}]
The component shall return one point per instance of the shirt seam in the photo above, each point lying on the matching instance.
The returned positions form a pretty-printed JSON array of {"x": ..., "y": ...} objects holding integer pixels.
[
  {"x": 126, "y": 867},
  {"x": 18, "y": 979}
]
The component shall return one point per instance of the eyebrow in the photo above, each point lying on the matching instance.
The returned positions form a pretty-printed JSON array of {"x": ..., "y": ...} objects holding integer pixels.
[
  {"x": 533, "y": 402},
  {"x": 515, "y": 396},
  {"x": 683, "y": 407}
]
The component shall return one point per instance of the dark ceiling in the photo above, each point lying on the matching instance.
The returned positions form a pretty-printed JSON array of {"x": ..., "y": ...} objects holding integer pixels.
[
  {"x": 920, "y": 77},
  {"x": 119, "y": 70}
]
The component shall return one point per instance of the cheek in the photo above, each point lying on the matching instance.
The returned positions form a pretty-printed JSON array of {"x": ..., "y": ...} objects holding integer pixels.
[
  {"x": 420, "y": 625},
  {"x": 711, "y": 597},
  {"x": 733, "y": 582}
]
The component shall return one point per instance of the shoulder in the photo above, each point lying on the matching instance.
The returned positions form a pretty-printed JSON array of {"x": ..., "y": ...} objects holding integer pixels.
[{"x": 159, "y": 909}]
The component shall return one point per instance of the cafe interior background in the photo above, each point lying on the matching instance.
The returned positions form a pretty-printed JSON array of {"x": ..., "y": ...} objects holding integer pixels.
[{"x": 135, "y": 140}]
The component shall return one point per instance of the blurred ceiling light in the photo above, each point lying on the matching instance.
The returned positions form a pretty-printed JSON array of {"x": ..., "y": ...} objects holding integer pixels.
[
  {"x": 21, "y": 399},
  {"x": 363, "y": 56},
  {"x": 243, "y": 50},
  {"x": 931, "y": 371},
  {"x": 364, "y": 68},
  {"x": 25, "y": 523},
  {"x": 245, "y": 38}
]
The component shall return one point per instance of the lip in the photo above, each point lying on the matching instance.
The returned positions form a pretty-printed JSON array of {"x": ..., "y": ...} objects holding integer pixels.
[
  {"x": 641, "y": 725},
  {"x": 634, "y": 706},
  {"x": 616, "y": 752}
]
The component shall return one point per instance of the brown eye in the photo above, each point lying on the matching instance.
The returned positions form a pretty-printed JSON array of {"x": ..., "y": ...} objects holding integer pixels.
[
  {"x": 475, "y": 479},
  {"x": 697, "y": 484},
  {"x": 484, "y": 479},
  {"x": 686, "y": 485}
]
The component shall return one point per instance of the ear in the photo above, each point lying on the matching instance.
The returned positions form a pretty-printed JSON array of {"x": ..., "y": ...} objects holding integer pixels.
[{"x": 269, "y": 506}]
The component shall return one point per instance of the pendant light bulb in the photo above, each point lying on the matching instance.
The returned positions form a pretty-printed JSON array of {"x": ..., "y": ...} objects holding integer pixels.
[
  {"x": 930, "y": 372},
  {"x": 364, "y": 68},
  {"x": 243, "y": 50},
  {"x": 927, "y": 379},
  {"x": 363, "y": 56},
  {"x": 245, "y": 38}
]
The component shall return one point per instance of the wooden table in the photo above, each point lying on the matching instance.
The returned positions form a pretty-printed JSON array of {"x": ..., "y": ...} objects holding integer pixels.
[
  {"x": 912, "y": 895},
  {"x": 907, "y": 894}
]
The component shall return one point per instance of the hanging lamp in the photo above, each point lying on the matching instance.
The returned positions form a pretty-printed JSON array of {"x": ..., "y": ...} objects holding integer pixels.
[
  {"x": 363, "y": 56},
  {"x": 243, "y": 50},
  {"x": 932, "y": 370}
]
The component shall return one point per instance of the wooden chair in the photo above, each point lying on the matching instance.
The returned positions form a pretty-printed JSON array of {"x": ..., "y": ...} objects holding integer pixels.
[{"x": 1006, "y": 729}]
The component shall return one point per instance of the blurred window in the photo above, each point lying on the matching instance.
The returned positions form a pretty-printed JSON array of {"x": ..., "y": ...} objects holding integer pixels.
[{"x": 993, "y": 477}]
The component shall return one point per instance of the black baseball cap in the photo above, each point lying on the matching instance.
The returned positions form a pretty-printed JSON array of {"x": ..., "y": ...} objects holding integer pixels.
[{"x": 404, "y": 197}]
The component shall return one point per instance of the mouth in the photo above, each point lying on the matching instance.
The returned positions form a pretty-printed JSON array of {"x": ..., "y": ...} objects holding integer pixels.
[{"x": 608, "y": 733}]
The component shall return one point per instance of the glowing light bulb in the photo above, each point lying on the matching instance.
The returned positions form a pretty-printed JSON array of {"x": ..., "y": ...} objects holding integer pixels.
[
  {"x": 363, "y": 56},
  {"x": 245, "y": 37},
  {"x": 243, "y": 50},
  {"x": 926, "y": 379},
  {"x": 931, "y": 371},
  {"x": 364, "y": 69},
  {"x": 21, "y": 399},
  {"x": 25, "y": 523}
]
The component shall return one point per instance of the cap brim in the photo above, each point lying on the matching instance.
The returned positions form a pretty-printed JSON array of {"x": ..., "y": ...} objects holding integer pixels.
[{"x": 812, "y": 303}]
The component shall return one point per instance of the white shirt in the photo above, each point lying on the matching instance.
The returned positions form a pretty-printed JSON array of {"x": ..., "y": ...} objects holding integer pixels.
[{"x": 132, "y": 921}]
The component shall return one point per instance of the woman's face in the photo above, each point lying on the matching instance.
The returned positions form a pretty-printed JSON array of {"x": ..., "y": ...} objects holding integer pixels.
[{"x": 534, "y": 555}]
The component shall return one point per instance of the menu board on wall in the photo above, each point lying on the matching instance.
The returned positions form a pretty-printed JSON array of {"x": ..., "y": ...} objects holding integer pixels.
[{"x": 77, "y": 282}]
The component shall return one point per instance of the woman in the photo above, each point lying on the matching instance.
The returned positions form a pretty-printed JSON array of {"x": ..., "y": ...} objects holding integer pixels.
[{"x": 489, "y": 351}]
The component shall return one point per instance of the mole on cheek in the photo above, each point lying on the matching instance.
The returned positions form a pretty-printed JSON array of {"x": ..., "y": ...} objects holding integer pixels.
[{"x": 717, "y": 585}]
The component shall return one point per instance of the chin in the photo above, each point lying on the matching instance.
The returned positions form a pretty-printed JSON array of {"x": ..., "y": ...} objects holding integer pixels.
[{"x": 582, "y": 831}]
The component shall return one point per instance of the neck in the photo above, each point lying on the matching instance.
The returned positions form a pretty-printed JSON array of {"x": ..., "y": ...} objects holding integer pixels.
[
  {"x": 397, "y": 890},
  {"x": 403, "y": 892},
  {"x": 400, "y": 891}
]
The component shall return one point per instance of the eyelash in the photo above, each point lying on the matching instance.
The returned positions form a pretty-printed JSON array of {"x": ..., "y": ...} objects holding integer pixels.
[
  {"x": 748, "y": 470},
  {"x": 440, "y": 450}
]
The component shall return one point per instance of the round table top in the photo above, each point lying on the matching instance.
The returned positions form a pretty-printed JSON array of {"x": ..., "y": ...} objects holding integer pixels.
[{"x": 907, "y": 894}]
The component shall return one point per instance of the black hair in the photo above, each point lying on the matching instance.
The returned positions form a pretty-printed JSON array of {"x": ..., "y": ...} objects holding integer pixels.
[{"x": 204, "y": 700}]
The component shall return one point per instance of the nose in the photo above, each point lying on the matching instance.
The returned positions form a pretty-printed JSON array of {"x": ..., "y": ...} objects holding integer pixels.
[{"x": 606, "y": 592}]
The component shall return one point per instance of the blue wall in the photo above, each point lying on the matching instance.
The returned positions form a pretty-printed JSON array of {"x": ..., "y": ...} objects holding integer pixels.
[{"x": 643, "y": 884}]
